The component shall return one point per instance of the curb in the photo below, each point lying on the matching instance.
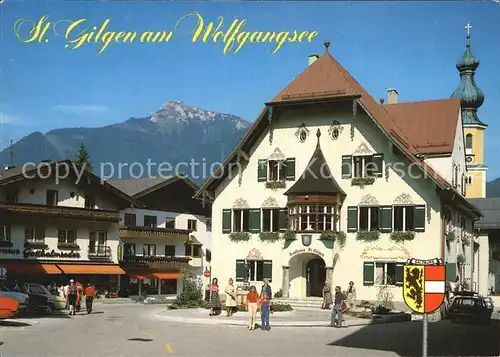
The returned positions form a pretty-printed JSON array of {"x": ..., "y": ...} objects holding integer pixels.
[{"x": 215, "y": 321}]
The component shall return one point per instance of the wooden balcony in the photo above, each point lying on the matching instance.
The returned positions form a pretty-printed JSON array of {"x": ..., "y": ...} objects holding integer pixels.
[
  {"x": 26, "y": 209},
  {"x": 160, "y": 263},
  {"x": 154, "y": 232}
]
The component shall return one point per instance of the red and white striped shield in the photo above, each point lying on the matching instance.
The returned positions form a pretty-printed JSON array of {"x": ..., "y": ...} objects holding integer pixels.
[{"x": 434, "y": 287}]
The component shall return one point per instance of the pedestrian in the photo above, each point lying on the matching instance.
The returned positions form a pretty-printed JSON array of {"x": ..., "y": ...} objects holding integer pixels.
[
  {"x": 230, "y": 298},
  {"x": 214, "y": 298},
  {"x": 89, "y": 297},
  {"x": 267, "y": 288},
  {"x": 337, "y": 308},
  {"x": 327, "y": 296},
  {"x": 72, "y": 295},
  {"x": 351, "y": 295},
  {"x": 264, "y": 307},
  {"x": 251, "y": 306},
  {"x": 79, "y": 293}
]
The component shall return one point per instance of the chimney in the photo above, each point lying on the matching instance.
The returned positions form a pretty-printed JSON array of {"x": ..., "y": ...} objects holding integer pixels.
[
  {"x": 392, "y": 96},
  {"x": 313, "y": 58}
]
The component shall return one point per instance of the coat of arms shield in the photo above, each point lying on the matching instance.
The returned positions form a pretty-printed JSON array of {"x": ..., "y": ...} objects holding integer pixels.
[
  {"x": 306, "y": 240},
  {"x": 424, "y": 287}
]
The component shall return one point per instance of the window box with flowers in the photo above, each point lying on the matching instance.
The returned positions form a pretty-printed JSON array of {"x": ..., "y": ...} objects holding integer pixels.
[
  {"x": 239, "y": 237},
  {"x": 401, "y": 236},
  {"x": 466, "y": 238},
  {"x": 362, "y": 181},
  {"x": 329, "y": 237},
  {"x": 275, "y": 185},
  {"x": 450, "y": 237},
  {"x": 68, "y": 246},
  {"x": 368, "y": 236},
  {"x": 460, "y": 259},
  {"x": 269, "y": 236},
  {"x": 289, "y": 237}
]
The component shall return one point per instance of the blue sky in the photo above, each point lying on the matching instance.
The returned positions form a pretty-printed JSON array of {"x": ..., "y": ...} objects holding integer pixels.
[{"x": 410, "y": 46}]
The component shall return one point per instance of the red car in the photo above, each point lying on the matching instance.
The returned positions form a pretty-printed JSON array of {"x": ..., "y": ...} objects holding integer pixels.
[{"x": 8, "y": 307}]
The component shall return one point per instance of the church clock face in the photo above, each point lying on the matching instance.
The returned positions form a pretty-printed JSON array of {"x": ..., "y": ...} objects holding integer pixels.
[{"x": 468, "y": 159}]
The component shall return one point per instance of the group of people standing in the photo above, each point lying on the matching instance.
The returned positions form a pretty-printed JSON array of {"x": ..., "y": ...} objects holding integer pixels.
[
  {"x": 342, "y": 301},
  {"x": 73, "y": 293},
  {"x": 254, "y": 302}
]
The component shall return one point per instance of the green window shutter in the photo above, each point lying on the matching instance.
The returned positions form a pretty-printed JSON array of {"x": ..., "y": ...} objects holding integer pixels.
[
  {"x": 419, "y": 218},
  {"x": 368, "y": 273},
  {"x": 226, "y": 221},
  {"x": 262, "y": 171},
  {"x": 254, "y": 220},
  {"x": 451, "y": 271},
  {"x": 240, "y": 270},
  {"x": 399, "y": 274},
  {"x": 352, "y": 219},
  {"x": 283, "y": 220},
  {"x": 290, "y": 169},
  {"x": 267, "y": 272},
  {"x": 378, "y": 161},
  {"x": 385, "y": 218},
  {"x": 346, "y": 166}
]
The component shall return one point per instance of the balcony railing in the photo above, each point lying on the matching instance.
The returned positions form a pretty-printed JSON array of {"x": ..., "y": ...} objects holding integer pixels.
[
  {"x": 154, "y": 262},
  {"x": 58, "y": 211},
  {"x": 99, "y": 252},
  {"x": 153, "y": 232}
]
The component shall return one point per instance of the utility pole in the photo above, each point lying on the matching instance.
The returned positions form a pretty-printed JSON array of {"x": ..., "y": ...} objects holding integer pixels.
[{"x": 11, "y": 153}]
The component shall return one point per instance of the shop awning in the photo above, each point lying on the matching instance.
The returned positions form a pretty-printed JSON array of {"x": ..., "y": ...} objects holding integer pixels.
[
  {"x": 31, "y": 269},
  {"x": 140, "y": 276},
  {"x": 91, "y": 269},
  {"x": 167, "y": 276}
]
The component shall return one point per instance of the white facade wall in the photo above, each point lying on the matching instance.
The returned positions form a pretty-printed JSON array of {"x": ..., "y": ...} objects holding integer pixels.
[{"x": 356, "y": 134}]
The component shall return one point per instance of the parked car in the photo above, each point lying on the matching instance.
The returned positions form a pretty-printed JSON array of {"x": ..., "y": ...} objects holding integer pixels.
[
  {"x": 8, "y": 307},
  {"x": 53, "y": 302},
  {"x": 23, "y": 299},
  {"x": 469, "y": 308}
]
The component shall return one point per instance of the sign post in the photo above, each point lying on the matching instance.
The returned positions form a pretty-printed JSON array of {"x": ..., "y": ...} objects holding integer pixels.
[{"x": 424, "y": 290}]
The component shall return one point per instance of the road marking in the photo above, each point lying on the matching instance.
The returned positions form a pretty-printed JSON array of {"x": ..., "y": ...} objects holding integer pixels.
[{"x": 169, "y": 349}]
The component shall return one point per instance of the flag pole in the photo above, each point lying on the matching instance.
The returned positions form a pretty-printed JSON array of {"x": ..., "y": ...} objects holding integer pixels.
[{"x": 425, "y": 324}]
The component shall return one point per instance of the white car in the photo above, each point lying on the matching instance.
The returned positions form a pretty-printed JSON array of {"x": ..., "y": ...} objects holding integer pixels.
[
  {"x": 21, "y": 297},
  {"x": 54, "y": 302}
]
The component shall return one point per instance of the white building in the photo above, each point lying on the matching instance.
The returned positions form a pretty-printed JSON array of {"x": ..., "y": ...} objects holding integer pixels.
[
  {"x": 325, "y": 159},
  {"x": 171, "y": 232},
  {"x": 53, "y": 229}
]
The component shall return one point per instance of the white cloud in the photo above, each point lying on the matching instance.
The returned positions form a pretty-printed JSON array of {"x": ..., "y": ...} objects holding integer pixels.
[
  {"x": 80, "y": 109},
  {"x": 8, "y": 119}
]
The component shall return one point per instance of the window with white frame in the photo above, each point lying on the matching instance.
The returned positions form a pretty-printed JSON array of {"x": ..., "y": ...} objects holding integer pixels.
[
  {"x": 404, "y": 218},
  {"x": 256, "y": 270},
  {"x": 385, "y": 273},
  {"x": 149, "y": 250},
  {"x": 277, "y": 170},
  {"x": 241, "y": 220},
  {"x": 270, "y": 220},
  {"x": 316, "y": 218},
  {"x": 364, "y": 166},
  {"x": 66, "y": 236},
  {"x": 4, "y": 233},
  {"x": 369, "y": 218},
  {"x": 34, "y": 234}
]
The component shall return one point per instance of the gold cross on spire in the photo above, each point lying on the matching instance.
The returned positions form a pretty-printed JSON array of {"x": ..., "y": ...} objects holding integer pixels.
[{"x": 467, "y": 29}]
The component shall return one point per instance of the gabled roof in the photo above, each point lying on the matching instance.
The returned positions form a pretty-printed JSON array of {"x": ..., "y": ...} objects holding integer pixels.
[
  {"x": 430, "y": 125},
  {"x": 317, "y": 177},
  {"x": 313, "y": 86},
  {"x": 142, "y": 186},
  {"x": 13, "y": 175}
]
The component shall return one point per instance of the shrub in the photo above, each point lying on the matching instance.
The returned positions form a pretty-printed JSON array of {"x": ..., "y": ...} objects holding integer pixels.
[
  {"x": 191, "y": 295},
  {"x": 281, "y": 307},
  {"x": 279, "y": 293}
]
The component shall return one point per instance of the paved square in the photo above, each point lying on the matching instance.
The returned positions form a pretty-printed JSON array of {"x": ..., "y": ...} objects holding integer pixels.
[{"x": 133, "y": 330}]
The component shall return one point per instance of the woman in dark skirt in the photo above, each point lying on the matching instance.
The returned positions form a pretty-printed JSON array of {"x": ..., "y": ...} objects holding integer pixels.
[{"x": 214, "y": 298}]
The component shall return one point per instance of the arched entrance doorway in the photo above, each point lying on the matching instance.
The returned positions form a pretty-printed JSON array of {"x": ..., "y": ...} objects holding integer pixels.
[{"x": 316, "y": 276}]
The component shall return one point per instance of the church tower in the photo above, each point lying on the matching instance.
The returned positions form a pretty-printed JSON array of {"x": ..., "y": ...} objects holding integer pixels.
[{"x": 471, "y": 98}]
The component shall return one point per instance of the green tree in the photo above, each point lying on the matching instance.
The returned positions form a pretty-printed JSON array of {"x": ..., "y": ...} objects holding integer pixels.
[{"x": 82, "y": 158}]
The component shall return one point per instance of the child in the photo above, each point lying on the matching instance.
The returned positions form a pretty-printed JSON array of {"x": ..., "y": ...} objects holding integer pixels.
[
  {"x": 251, "y": 306},
  {"x": 264, "y": 305}
]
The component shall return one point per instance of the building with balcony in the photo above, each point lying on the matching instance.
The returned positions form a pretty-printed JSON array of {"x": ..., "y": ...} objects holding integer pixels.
[
  {"x": 57, "y": 223},
  {"x": 169, "y": 234}
]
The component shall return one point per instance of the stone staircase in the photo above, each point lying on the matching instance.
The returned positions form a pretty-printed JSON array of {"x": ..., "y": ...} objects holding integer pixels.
[{"x": 308, "y": 302}]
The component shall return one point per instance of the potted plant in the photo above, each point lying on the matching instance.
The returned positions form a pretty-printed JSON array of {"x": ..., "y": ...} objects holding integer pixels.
[
  {"x": 450, "y": 237},
  {"x": 289, "y": 237},
  {"x": 401, "y": 236},
  {"x": 269, "y": 236},
  {"x": 368, "y": 236},
  {"x": 239, "y": 236},
  {"x": 461, "y": 259}
]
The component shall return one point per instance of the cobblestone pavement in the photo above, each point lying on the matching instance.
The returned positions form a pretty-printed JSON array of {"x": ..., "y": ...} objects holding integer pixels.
[{"x": 133, "y": 330}]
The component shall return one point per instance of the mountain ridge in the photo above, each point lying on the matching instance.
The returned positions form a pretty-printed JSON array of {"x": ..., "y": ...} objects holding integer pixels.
[{"x": 175, "y": 133}]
